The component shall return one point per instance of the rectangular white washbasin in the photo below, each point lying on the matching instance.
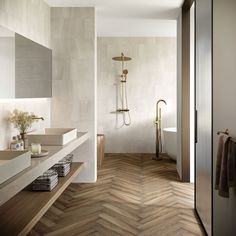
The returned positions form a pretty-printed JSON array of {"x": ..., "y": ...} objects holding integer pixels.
[
  {"x": 13, "y": 162},
  {"x": 54, "y": 136}
]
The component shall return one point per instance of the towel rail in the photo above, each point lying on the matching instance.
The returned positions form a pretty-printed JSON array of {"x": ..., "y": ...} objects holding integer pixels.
[
  {"x": 226, "y": 132},
  {"x": 223, "y": 132}
]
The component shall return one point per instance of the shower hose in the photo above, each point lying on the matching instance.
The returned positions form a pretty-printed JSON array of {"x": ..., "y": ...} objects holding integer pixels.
[{"x": 124, "y": 103}]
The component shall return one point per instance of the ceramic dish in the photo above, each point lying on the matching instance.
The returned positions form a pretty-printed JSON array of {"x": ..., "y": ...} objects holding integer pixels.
[{"x": 42, "y": 154}]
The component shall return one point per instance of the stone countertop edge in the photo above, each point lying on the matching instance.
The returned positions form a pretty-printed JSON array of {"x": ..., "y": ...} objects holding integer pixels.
[{"x": 38, "y": 166}]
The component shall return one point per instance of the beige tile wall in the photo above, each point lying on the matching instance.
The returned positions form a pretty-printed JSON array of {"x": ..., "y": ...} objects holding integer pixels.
[
  {"x": 40, "y": 107},
  {"x": 73, "y": 102},
  {"x": 152, "y": 76},
  {"x": 30, "y": 18}
]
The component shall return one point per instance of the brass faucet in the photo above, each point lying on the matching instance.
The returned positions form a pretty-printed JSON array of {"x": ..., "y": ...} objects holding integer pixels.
[
  {"x": 158, "y": 128},
  {"x": 38, "y": 118}
]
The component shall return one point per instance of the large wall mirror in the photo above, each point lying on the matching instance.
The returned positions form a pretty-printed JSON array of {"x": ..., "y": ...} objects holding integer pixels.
[{"x": 25, "y": 67}]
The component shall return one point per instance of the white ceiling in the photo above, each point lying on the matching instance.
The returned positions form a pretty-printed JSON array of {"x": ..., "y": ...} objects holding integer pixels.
[{"x": 130, "y": 17}]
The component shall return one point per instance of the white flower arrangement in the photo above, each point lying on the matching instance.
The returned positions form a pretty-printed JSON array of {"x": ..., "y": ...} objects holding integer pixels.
[{"x": 22, "y": 120}]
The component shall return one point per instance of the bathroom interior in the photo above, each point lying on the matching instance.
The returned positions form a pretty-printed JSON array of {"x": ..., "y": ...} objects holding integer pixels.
[
  {"x": 106, "y": 124},
  {"x": 130, "y": 105}
]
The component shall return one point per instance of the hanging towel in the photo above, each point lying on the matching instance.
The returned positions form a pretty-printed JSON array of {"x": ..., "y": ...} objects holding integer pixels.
[
  {"x": 231, "y": 164},
  {"x": 223, "y": 184},
  {"x": 218, "y": 161}
]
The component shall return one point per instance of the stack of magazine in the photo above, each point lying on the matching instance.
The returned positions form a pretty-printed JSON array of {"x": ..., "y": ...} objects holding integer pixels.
[
  {"x": 63, "y": 167},
  {"x": 46, "y": 182}
]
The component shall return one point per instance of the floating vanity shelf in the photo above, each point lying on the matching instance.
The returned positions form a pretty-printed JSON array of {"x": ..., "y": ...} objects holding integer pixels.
[
  {"x": 38, "y": 166},
  {"x": 19, "y": 214}
]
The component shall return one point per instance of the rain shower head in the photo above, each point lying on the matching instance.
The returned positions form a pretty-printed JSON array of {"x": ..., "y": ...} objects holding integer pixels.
[{"x": 122, "y": 58}]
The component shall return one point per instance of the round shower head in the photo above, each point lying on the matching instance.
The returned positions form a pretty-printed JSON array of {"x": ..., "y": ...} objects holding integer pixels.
[{"x": 122, "y": 58}]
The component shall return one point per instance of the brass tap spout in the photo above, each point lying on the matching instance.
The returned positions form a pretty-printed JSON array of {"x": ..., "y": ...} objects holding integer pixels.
[
  {"x": 38, "y": 118},
  {"x": 157, "y": 109}
]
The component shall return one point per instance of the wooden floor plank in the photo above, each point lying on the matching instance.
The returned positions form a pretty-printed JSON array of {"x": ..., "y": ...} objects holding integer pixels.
[{"x": 134, "y": 195}]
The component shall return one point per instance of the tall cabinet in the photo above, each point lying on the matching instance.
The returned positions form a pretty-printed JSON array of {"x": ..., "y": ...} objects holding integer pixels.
[
  {"x": 224, "y": 108},
  {"x": 203, "y": 88},
  {"x": 215, "y": 102}
]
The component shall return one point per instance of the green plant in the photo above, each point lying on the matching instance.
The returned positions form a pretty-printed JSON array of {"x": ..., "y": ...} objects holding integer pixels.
[{"x": 22, "y": 120}]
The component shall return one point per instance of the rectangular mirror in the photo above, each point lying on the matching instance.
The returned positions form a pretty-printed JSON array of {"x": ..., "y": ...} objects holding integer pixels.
[{"x": 25, "y": 67}]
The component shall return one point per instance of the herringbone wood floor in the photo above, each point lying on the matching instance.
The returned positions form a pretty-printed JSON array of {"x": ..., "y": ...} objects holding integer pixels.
[{"x": 133, "y": 195}]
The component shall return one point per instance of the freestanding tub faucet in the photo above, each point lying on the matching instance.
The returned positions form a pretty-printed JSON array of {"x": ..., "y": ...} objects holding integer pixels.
[{"x": 158, "y": 129}]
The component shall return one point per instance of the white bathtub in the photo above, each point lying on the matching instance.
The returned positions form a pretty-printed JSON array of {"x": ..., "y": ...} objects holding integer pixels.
[{"x": 170, "y": 142}]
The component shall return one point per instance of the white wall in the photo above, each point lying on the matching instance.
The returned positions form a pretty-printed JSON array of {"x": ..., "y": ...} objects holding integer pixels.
[
  {"x": 152, "y": 76},
  {"x": 32, "y": 20},
  {"x": 139, "y": 18},
  {"x": 138, "y": 27},
  {"x": 40, "y": 107},
  {"x": 73, "y": 103},
  {"x": 192, "y": 93},
  {"x": 7, "y": 67},
  {"x": 179, "y": 94}
]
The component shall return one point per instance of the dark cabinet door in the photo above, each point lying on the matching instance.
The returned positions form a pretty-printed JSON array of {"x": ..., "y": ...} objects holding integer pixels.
[
  {"x": 203, "y": 156},
  {"x": 224, "y": 112}
]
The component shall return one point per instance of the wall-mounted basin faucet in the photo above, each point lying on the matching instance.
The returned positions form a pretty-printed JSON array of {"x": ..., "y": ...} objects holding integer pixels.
[{"x": 38, "y": 118}]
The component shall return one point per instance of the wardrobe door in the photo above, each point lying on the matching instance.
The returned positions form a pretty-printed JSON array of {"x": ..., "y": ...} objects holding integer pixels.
[
  {"x": 224, "y": 108},
  {"x": 203, "y": 165}
]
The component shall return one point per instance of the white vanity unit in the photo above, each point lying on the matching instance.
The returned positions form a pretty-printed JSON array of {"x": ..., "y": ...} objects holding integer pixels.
[{"x": 20, "y": 207}]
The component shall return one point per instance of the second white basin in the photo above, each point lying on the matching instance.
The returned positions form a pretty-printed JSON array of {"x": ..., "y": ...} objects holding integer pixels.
[
  {"x": 54, "y": 136},
  {"x": 13, "y": 162}
]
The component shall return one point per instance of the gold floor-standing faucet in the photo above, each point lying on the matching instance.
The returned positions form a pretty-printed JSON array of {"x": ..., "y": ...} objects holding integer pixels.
[{"x": 158, "y": 129}]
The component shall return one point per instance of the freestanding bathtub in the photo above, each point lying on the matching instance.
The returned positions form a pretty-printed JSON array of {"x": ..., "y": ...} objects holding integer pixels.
[{"x": 170, "y": 141}]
